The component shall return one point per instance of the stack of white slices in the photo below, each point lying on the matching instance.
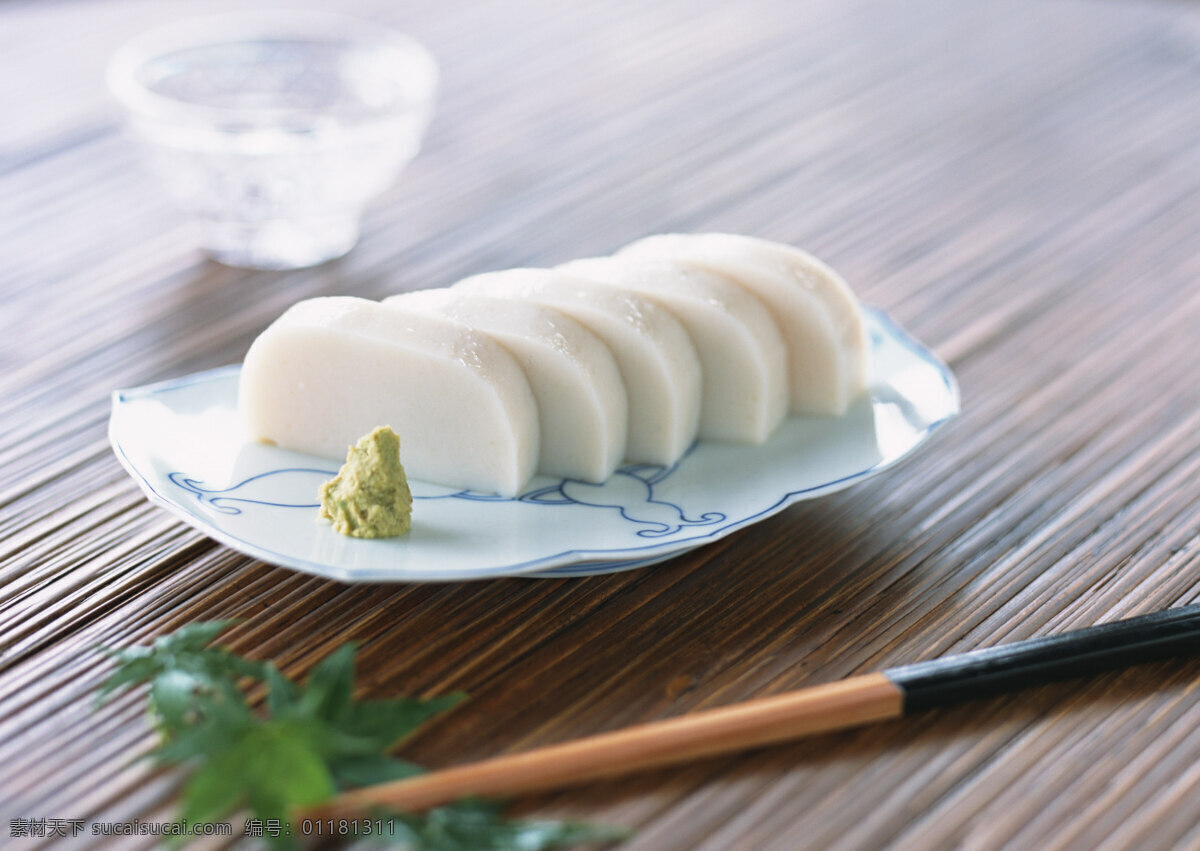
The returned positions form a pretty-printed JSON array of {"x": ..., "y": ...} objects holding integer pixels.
[{"x": 569, "y": 371}]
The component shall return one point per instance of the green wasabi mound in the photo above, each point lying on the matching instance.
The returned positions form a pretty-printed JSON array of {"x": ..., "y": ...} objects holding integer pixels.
[{"x": 370, "y": 498}]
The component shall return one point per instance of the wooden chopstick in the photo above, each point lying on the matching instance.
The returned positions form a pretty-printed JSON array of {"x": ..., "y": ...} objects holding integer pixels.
[
  {"x": 849, "y": 703},
  {"x": 858, "y": 700}
]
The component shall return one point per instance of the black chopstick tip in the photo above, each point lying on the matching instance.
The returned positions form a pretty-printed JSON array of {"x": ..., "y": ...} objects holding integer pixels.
[{"x": 1037, "y": 661}]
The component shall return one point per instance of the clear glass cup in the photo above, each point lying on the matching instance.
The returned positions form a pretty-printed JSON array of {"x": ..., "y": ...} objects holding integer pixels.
[{"x": 274, "y": 129}]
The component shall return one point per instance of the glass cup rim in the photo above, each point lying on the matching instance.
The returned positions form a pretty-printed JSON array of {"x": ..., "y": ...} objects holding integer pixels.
[{"x": 231, "y": 27}]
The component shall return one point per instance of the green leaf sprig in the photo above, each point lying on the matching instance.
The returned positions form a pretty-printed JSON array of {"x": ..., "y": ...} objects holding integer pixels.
[
  {"x": 304, "y": 745},
  {"x": 184, "y": 673},
  {"x": 476, "y": 825}
]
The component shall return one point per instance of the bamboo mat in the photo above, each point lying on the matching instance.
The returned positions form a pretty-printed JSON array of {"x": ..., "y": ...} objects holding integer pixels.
[{"x": 1017, "y": 182}]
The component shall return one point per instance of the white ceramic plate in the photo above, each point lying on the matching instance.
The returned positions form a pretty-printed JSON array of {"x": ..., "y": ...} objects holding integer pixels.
[{"x": 183, "y": 443}]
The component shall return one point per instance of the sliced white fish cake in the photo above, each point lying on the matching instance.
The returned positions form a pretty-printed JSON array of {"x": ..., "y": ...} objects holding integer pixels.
[
  {"x": 819, "y": 316},
  {"x": 743, "y": 360},
  {"x": 333, "y": 369},
  {"x": 580, "y": 397},
  {"x": 658, "y": 364}
]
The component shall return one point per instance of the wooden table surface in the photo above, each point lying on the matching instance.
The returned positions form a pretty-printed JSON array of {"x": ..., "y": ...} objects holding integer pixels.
[{"x": 1017, "y": 182}]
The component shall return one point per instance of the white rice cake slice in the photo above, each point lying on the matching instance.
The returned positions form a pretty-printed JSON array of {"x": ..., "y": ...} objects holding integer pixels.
[
  {"x": 332, "y": 369},
  {"x": 658, "y": 364},
  {"x": 582, "y": 410},
  {"x": 743, "y": 360},
  {"x": 819, "y": 316}
]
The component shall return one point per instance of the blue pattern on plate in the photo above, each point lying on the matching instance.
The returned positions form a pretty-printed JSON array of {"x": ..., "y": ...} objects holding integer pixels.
[
  {"x": 262, "y": 485},
  {"x": 629, "y": 491}
]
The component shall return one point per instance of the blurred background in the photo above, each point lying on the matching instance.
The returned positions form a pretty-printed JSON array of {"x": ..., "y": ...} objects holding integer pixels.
[{"x": 564, "y": 130}]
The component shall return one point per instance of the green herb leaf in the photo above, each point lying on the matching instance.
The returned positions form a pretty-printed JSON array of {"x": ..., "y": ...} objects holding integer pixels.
[
  {"x": 214, "y": 725},
  {"x": 175, "y": 694},
  {"x": 282, "y": 693},
  {"x": 194, "y": 637},
  {"x": 182, "y": 669},
  {"x": 349, "y": 729},
  {"x": 132, "y": 670},
  {"x": 209, "y": 794},
  {"x": 473, "y": 825},
  {"x": 329, "y": 690},
  {"x": 369, "y": 769},
  {"x": 388, "y": 722},
  {"x": 269, "y": 769},
  {"x": 305, "y": 744}
]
